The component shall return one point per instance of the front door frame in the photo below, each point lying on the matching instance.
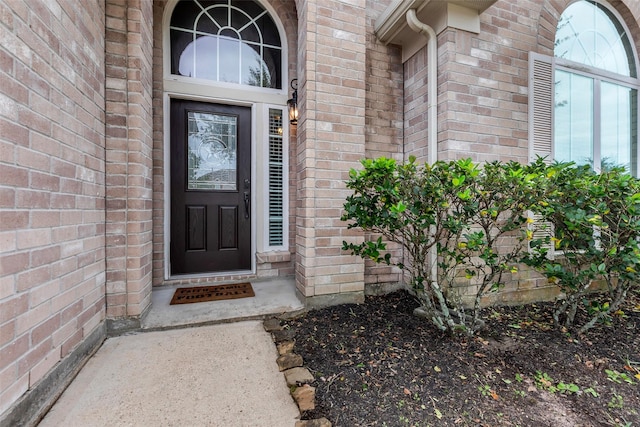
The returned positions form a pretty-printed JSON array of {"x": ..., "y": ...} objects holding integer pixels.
[{"x": 167, "y": 184}]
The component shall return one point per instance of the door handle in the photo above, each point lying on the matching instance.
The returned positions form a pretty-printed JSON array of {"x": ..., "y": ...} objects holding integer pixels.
[{"x": 246, "y": 205}]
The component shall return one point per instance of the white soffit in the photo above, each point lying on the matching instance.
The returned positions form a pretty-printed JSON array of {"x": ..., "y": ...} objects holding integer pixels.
[{"x": 391, "y": 26}]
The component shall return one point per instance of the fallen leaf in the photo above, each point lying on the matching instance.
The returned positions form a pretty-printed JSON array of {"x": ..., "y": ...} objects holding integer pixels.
[
  {"x": 438, "y": 413},
  {"x": 494, "y": 395},
  {"x": 462, "y": 377},
  {"x": 637, "y": 376},
  {"x": 479, "y": 355},
  {"x": 407, "y": 391},
  {"x": 437, "y": 369}
]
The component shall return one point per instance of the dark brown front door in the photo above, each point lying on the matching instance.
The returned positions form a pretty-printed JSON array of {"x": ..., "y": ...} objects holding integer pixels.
[{"x": 210, "y": 187}]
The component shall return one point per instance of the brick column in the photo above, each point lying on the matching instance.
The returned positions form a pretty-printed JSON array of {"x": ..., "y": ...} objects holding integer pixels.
[
  {"x": 129, "y": 44},
  {"x": 331, "y": 140}
]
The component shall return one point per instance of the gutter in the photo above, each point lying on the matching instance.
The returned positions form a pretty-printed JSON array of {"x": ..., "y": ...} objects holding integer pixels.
[
  {"x": 432, "y": 82},
  {"x": 432, "y": 108}
]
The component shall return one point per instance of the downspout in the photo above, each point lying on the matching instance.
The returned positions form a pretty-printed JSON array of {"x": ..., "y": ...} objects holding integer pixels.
[
  {"x": 432, "y": 81},
  {"x": 432, "y": 108}
]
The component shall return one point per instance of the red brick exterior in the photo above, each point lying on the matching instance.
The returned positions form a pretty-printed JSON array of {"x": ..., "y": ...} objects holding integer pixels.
[
  {"x": 52, "y": 185},
  {"x": 331, "y": 140},
  {"x": 129, "y": 165},
  {"x": 82, "y": 158}
]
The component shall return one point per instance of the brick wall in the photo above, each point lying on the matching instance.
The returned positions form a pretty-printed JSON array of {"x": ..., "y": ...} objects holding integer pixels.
[
  {"x": 416, "y": 106},
  {"x": 129, "y": 53},
  {"x": 331, "y": 68},
  {"x": 158, "y": 146},
  {"x": 52, "y": 185},
  {"x": 383, "y": 113},
  {"x": 483, "y": 79}
]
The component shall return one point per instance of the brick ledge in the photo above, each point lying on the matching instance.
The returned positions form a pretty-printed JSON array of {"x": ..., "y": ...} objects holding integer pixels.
[{"x": 272, "y": 257}]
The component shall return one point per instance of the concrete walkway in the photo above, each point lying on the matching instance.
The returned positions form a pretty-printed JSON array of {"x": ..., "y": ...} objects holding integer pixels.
[{"x": 221, "y": 375}]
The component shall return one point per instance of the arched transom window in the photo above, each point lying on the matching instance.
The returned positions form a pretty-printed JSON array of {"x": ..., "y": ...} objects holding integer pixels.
[
  {"x": 588, "y": 33},
  {"x": 232, "y": 41},
  {"x": 596, "y": 89}
]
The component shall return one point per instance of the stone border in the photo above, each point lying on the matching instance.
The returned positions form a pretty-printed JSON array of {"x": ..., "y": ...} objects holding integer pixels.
[{"x": 298, "y": 377}]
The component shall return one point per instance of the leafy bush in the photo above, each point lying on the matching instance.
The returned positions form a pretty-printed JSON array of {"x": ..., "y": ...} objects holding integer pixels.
[
  {"x": 592, "y": 241},
  {"x": 461, "y": 228}
]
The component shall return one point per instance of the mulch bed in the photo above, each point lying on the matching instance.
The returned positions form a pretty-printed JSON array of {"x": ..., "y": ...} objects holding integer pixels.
[{"x": 376, "y": 364}]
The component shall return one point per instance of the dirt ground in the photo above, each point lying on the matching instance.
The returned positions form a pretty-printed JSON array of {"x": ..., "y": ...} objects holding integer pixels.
[{"x": 376, "y": 364}]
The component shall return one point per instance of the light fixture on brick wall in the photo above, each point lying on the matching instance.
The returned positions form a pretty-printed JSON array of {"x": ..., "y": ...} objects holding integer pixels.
[{"x": 293, "y": 103}]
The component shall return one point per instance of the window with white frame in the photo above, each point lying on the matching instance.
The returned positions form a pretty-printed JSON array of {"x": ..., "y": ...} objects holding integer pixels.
[
  {"x": 276, "y": 180},
  {"x": 232, "y": 41},
  {"x": 584, "y": 100}
]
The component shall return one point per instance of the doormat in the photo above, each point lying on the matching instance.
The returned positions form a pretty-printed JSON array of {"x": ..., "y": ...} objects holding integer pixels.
[{"x": 212, "y": 293}]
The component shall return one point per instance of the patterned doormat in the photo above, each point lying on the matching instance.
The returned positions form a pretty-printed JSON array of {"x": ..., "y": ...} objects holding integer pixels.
[{"x": 212, "y": 293}]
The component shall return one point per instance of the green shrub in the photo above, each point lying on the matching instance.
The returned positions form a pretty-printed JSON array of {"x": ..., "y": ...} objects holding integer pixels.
[
  {"x": 460, "y": 226},
  {"x": 591, "y": 244}
]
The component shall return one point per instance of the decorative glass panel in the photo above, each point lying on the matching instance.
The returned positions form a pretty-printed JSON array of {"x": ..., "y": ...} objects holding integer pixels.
[
  {"x": 588, "y": 33},
  {"x": 276, "y": 179},
  {"x": 234, "y": 41},
  {"x": 573, "y": 118},
  {"x": 212, "y": 151}
]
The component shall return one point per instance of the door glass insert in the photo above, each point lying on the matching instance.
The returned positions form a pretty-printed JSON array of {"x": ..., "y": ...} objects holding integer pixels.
[{"x": 212, "y": 151}]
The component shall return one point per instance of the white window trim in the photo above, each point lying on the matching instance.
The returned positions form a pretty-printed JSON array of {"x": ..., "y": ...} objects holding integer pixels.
[
  {"x": 598, "y": 78},
  {"x": 265, "y": 247},
  {"x": 542, "y": 104}
]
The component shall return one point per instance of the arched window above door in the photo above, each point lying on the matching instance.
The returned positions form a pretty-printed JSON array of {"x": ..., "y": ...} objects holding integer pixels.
[{"x": 227, "y": 41}]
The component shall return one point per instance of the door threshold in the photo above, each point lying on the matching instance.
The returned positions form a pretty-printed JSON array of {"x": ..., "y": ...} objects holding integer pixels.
[{"x": 235, "y": 275}]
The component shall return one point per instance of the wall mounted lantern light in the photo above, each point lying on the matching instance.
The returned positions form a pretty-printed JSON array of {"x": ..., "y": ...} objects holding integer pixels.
[{"x": 293, "y": 103}]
